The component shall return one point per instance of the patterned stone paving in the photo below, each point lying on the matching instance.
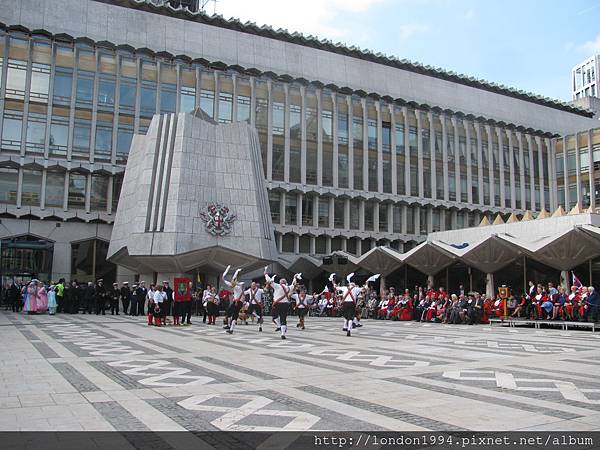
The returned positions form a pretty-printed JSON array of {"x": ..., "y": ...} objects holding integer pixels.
[{"x": 114, "y": 372}]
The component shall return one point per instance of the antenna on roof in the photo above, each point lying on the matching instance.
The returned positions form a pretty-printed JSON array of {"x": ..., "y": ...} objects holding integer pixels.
[{"x": 204, "y": 4}]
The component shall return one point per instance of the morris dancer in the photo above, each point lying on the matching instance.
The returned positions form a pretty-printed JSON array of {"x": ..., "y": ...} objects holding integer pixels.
[
  {"x": 282, "y": 294},
  {"x": 233, "y": 312},
  {"x": 255, "y": 294},
  {"x": 303, "y": 301},
  {"x": 349, "y": 295},
  {"x": 211, "y": 298}
]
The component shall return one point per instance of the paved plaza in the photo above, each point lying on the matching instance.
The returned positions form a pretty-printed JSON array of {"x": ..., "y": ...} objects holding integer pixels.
[{"x": 116, "y": 373}]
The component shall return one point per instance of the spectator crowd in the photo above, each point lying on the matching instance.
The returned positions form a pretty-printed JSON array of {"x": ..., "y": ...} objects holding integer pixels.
[{"x": 422, "y": 304}]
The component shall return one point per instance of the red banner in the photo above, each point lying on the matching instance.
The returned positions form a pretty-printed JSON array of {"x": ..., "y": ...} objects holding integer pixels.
[{"x": 182, "y": 289}]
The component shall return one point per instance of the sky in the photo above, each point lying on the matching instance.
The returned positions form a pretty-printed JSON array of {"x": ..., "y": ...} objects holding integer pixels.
[{"x": 526, "y": 44}]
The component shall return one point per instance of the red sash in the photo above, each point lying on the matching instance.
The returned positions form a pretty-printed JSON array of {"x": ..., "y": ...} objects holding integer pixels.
[{"x": 349, "y": 293}]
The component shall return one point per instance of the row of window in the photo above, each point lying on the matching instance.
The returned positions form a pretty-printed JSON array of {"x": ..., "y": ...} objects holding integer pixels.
[
  {"x": 65, "y": 190},
  {"x": 360, "y": 215},
  {"x": 80, "y": 101}
]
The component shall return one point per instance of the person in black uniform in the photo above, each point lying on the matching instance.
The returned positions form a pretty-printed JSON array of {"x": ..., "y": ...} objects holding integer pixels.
[
  {"x": 88, "y": 298},
  {"x": 139, "y": 298},
  {"x": 100, "y": 297},
  {"x": 141, "y": 302},
  {"x": 14, "y": 297},
  {"x": 125, "y": 296},
  {"x": 114, "y": 299},
  {"x": 77, "y": 297}
]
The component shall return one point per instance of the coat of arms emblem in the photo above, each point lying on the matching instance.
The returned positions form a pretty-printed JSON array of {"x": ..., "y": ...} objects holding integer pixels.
[{"x": 218, "y": 219}]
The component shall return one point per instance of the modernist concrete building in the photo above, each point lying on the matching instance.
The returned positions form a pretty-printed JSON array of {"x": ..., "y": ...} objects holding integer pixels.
[
  {"x": 584, "y": 78},
  {"x": 359, "y": 150}
]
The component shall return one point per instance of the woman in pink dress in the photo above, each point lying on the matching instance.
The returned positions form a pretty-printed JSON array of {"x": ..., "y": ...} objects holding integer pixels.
[
  {"x": 42, "y": 298},
  {"x": 31, "y": 297}
]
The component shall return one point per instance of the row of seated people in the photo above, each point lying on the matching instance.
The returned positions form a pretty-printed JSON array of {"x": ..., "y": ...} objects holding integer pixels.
[
  {"x": 432, "y": 306},
  {"x": 549, "y": 303},
  {"x": 429, "y": 305}
]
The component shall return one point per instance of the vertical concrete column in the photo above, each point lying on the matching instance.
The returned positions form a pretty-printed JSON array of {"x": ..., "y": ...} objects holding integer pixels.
[
  {"x": 296, "y": 244},
  {"x": 280, "y": 242},
  {"x": 358, "y": 247},
  {"x": 26, "y": 108},
  {"x": 429, "y": 220},
  {"x": 3, "y": 74},
  {"x": 407, "y": 186},
  {"x": 592, "y": 174},
  {"x": 417, "y": 219},
  {"x": 566, "y": 175},
  {"x": 66, "y": 192},
  {"x": 564, "y": 279},
  {"x": 420, "y": 188},
  {"x": 252, "y": 101},
  {"x": 400, "y": 246},
  {"x": 499, "y": 133},
  {"x": 404, "y": 219},
  {"x": 578, "y": 169},
  {"x": 538, "y": 142},
  {"x": 479, "y": 161},
  {"x": 88, "y": 191},
  {"x": 432, "y": 156},
  {"x": 286, "y": 134},
  {"x": 234, "y": 106},
  {"x": 350, "y": 143},
  {"x": 344, "y": 244},
  {"x": 282, "y": 208},
  {"x": 455, "y": 125},
  {"x": 442, "y": 219},
  {"x": 269, "y": 130},
  {"x": 382, "y": 286},
  {"x": 20, "y": 187},
  {"x": 361, "y": 215},
  {"x": 109, "y": 194},
  {"x": 550, "y": 143},
  {"x": 328, "y": 245},
  {"x": 331, "y": 212},
  {"x": 43, "y": 191},
  {"x": 394, "y": 159},
  {"x": 430, "y": 281},
  {"x": 49, "y": 110},
  {"x": 445, "y": 155},
  {"x": 489, "y": 285},
  {"x": 217, "y": 93},
  {"x": 365, "y": 167},
  {"x": 379, "y": 148},
  {"x": 315, "y": 211},
  {"x": 454, "y": 219},
  {"x": 511, "y": 168},
  {"x": 376, "y": 217},
  {"x": 334, "y": 128},
  {"x": 319, "y": 138},
  {"x": 532, "y": 174},
  {"x": 346, "y": 213},
  {"x": 313, "y": 245},
  {"x": 476, "y": 217},
  {"x": 467, "y": 127},
  {"x": 488, "y": 131},
  {"x": 390, "y": 218},
  {"x": 299, "y": 201},
  {"x": 303, "y": 135},
  {"x": 521, "y": 170},
  {"x": 95, "y": 104}
]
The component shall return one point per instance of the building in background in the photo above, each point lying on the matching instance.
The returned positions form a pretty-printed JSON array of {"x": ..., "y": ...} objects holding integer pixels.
[
  {"x": 359, "y": 150},
  {"x": 584, "y": 78}
]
